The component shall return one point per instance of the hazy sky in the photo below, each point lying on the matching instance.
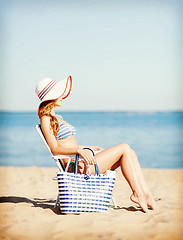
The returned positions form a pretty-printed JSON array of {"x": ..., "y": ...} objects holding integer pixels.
[{"x": 122, "y": 55}]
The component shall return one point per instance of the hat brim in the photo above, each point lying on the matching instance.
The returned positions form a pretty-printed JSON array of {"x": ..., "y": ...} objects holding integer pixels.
[{"x": 60, "y": 89}]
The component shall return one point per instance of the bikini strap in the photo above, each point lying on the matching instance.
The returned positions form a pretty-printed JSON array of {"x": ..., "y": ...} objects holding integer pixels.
[{"x": 60, "y": 117}]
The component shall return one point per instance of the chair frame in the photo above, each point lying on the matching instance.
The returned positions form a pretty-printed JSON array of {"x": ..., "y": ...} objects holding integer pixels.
[{"x": 57, "y": 159}]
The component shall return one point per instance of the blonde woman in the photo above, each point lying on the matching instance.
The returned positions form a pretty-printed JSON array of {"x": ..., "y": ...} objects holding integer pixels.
[{"x": 60, "y": 137}]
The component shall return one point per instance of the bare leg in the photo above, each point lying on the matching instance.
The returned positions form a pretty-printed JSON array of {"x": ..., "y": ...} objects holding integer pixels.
[
  {"x": 150, "y": 200},
  {"x": 140, "y": 178},
  {"x": 120, "y": 156}
]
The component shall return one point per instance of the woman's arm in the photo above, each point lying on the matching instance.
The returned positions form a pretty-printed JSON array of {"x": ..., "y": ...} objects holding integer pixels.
[
  {"x": 94, "y": 148},
  {"x": 51, "y": 140},
  {"x": 56, "y": 149}
]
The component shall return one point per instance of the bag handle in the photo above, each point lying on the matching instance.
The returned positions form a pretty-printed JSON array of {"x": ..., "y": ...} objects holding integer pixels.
[{"x": 96, "y": 166}]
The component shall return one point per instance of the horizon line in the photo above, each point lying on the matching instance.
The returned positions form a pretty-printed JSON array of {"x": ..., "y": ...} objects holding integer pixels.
[{"x": 99, "y": 111}]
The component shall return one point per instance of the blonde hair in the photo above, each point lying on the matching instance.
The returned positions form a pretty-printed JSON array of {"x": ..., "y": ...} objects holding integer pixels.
[{"x": 45, "y": 110}]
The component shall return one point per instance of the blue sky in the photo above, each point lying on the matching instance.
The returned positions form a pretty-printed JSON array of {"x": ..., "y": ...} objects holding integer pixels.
[{"x": 122, "y": 55}]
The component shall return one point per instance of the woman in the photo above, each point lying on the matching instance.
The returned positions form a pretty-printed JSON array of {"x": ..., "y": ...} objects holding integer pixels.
[{"x": 60, "y": 138}]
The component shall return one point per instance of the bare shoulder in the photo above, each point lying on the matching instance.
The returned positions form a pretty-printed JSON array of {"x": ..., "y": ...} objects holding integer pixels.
[
  {"x": 48, "y": 131},
  {"x": 45, "y": 123},
  {"x": 45, "y": 120}
]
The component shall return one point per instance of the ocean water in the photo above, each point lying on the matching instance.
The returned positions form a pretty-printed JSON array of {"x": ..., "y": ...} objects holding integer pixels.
[{"x": 157, "y": 138}]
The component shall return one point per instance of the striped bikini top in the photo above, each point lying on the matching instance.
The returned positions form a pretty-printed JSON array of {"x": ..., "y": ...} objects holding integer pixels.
[{"x": 65, "y": 131}]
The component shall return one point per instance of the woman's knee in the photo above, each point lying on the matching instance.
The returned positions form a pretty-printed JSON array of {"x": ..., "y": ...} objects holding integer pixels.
[
  {"x": 127, "y": 151},
  {"x": 125, "y": 148},
  {"x": 133, "y": 152}
]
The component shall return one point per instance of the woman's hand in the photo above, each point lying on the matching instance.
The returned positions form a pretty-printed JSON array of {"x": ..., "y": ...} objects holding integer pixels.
[
  {"x": 96, "y": 148},
  {"x": 87, "y": 155}
]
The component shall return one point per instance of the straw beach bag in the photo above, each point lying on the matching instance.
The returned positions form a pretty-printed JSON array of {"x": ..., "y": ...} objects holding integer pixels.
[{"x": 85, "y": 192}]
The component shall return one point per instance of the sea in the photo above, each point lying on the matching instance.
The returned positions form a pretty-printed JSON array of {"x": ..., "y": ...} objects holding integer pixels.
[{"x": 156, "y": 137}]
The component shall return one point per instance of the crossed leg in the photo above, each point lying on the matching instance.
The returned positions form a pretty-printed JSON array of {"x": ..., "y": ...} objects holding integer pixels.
[
  {"x": 149, "y": 198},
  {"x": 122, "y": 155}
]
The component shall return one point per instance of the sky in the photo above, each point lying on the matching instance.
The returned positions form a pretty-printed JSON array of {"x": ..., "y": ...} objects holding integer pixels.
[{"x": 122, "y": 55}]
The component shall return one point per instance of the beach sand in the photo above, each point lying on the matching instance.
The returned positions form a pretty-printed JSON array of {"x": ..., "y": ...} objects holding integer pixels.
[{"x": 27, "y": 197}]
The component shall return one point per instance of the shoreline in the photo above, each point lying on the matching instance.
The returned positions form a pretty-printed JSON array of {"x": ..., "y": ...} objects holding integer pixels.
[{"x": 28, "y": 194}]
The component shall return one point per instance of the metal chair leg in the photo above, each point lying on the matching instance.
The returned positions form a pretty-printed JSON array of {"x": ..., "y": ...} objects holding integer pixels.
[
  {"x": 56, "y": 203},
  {"x": 114, "y": 202}
]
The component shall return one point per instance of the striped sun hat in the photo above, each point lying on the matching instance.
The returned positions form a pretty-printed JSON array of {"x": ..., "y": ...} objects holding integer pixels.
[{"x": 48, "y": 89}]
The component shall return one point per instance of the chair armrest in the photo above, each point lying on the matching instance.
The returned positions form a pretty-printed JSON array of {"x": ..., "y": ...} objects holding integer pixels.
[
  {"x": 63, "y": 156},
  {"x": 70, "y": 156}
]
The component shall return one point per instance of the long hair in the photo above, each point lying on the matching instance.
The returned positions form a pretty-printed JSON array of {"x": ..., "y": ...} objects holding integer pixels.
[{"x": 45, "y": 109}]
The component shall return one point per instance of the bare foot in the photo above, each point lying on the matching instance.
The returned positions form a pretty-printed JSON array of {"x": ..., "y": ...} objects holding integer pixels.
[
  {"x": 151, "y": 202},
  {"x": 140, "y": 200}
]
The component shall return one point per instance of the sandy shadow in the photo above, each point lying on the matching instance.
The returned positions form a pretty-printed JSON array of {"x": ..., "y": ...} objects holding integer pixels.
[
  {"x": 130, "y": 209},
  {"x": 49, "y": 204},
  {"x": 36, "y": 202}
]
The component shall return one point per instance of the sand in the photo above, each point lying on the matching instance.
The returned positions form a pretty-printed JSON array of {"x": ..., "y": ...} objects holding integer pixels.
[{"x": 27, "y": 197}]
